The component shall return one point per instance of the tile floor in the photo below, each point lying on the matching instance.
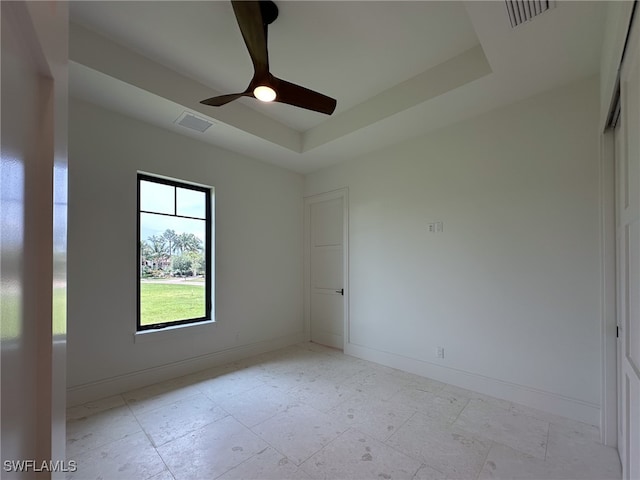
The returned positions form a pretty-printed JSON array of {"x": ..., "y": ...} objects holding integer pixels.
[{"x": 309, "y": 412}]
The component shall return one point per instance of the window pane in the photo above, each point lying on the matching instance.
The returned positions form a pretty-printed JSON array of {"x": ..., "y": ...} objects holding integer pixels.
[
  {"x": 157, "y": 197},
  {"x": 191, "y": 203},
  {"x": 172, "y": 269},
  {"x": 164, "y": 301}
]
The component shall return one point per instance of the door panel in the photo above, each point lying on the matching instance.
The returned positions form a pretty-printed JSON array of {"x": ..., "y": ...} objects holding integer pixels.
[
  {"x": 633, "y": 415},
  {"x": 327, "y": 219},
  {"x": 631, "y": 327},
  {"x": 327, "y": 267},
  {"x": 326, "y": 319},
  {"x": 326, "y": 272}
]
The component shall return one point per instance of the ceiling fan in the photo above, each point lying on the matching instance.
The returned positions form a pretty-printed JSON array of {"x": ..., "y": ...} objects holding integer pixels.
[{"x": 254, "y": 17}]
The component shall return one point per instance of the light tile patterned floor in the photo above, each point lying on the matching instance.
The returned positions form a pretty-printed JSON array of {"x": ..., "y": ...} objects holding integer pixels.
[{"x": 309, "y": 412}]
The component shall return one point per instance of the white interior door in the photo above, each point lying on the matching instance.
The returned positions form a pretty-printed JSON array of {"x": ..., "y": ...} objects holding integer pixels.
[
  {"x": 628, "y": 237},
  {"x": 326, "y": 236}
]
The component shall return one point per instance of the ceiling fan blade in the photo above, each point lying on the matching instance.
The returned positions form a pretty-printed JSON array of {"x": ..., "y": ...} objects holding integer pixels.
[
  {"x": 254, "y": 32},
  {"x": 223, "y": 99},
  {"x": 298, "y": 96}
]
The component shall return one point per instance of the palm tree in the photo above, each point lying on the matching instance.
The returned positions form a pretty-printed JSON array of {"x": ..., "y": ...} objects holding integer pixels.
[
  {"x": 181, "y": 242},
  {"x": 145, "y": 253},
  {"x": 172, "y": 239},
  {"x": 188, "y": 242},
  {"x": 158, "y": 250}
]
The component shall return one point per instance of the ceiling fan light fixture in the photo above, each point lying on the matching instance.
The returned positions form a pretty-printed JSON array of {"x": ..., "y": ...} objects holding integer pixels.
[
  {"x": 264, "y": 93},
  {"x": 253, "y": 18}
]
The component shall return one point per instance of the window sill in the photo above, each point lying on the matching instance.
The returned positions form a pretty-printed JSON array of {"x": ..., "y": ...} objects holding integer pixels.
[{"x": 170, "y": 333}]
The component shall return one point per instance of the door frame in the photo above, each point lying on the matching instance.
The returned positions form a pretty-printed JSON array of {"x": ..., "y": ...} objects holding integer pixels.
[
  {"x": 41, "y": 196},
  {"x": 342, "y": 193}
]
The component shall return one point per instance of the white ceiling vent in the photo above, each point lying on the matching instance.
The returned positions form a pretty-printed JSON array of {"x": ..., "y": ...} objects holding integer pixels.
[
  {"x": 189, "y": 120},
  {"x": 521, "y": 11}
]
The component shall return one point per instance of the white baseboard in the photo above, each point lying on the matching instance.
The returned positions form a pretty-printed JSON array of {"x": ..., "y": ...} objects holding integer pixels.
[
  {"x": 328, "y": 339},
  {"x": 556, "y": 404},
  {"x": 79, "y": 394}
]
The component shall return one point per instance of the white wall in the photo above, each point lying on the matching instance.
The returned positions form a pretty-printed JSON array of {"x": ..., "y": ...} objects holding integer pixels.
[
  {"x": 511, "y": 288},
  {"x": 258, "y": 247}
]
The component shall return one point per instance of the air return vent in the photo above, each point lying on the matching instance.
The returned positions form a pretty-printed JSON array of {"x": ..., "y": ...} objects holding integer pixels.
[
  {"x": 189, "y": 120},
  {"x": 521, "y": 11}
]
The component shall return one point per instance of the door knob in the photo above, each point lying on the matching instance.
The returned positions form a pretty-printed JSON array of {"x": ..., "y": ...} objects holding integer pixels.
[{"x": 341, "y": 291}]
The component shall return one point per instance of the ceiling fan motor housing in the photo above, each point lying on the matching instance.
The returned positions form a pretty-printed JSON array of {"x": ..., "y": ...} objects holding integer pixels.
[{"x": 269, "y": 11}]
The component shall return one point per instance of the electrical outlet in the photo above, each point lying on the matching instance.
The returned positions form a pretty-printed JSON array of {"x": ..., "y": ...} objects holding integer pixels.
[
  {"x": 440, "y": 352},
  {"x": 435, "y": 227}
]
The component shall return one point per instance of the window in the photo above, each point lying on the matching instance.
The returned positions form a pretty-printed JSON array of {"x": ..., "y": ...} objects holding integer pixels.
[{"x": 174, "y": 253}]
